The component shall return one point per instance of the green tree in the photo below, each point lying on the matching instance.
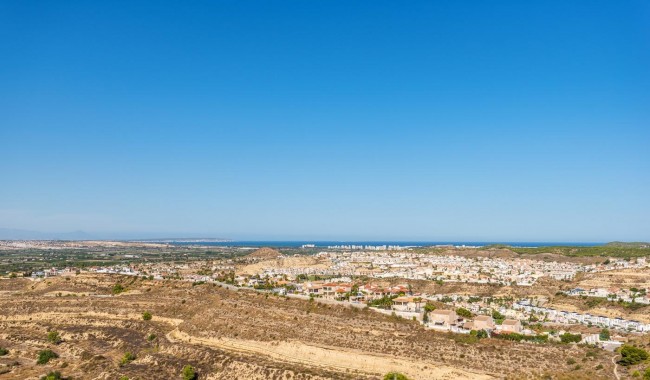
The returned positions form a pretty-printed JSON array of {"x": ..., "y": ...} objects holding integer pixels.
[
  {"x": 395, "y": 376},
  {"x": 189, "y": 373},
  {"x": 147, "y": 316},
  {"x": 461, "y": 311},
  {"x": 570, "y": 338},
  {"x": 498, "y": 317},
  {"x": 631, "y": 355},
  {"x": 54, "y": 337},
  {"x": 646, "y": 374},
  {"x": 604, "y": 334},
  {"x": 118, "y": 288},
  {"x": 45, "y": 356}
]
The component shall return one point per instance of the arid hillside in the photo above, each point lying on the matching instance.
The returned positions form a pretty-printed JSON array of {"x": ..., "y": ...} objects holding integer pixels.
[{"x": 227, "y": 334}]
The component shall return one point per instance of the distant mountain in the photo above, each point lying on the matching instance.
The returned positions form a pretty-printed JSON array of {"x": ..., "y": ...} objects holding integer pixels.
[{"x": 14, "y": 234}]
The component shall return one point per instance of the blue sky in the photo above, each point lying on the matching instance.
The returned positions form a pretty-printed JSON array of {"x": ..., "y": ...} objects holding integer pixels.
[{"x": 454, "y": 120}]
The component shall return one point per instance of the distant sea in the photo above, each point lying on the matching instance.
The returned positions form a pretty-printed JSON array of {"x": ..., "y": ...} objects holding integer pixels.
[{"x": 325, "y": 244}]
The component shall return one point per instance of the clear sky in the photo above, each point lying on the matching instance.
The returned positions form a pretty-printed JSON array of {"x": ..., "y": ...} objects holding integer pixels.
[{"x": 427, "y": 120}]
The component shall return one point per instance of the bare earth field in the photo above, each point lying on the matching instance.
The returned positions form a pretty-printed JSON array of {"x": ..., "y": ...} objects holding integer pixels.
[
  {"x": 229, "y": 334},
  {"x": 624, "y": 278}
]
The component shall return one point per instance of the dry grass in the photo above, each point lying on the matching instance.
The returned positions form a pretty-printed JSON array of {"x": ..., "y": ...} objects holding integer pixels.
[{"x": 245, "y": 335}]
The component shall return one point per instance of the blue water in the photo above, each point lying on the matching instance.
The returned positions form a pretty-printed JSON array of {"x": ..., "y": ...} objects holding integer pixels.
[{"x": 320, "y": 244}]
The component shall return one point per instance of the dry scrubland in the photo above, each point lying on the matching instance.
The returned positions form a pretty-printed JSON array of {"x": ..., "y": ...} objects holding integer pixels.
[
  {"x": 624, "y": 278},
  {"x": 245, "y": 335}
]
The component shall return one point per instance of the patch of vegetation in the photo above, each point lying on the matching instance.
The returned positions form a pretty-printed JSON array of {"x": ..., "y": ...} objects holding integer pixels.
[
  {"x": 631, "y": 355},
  {"x": 383, "y": 303},
  {"x": 53, "y": 375},
  {"x": 147, "y": 316},
  {"x": 118, "y": 288},
  {"x": 521, "y": 337},
  {"x": 462, "y": 312},
  {"x": 464, "y": 338},
  {"x": 45, "y": 356},
  {"x": 594, "y": 301},
  {"x": 3, "y": 351},
  {"x": 395, "y": 376},
  {"x": 632, "y": 305},
  {"x": 189, "y": 373},
  {"x": 621, "y": 244},
  {"x": 570, "y": 338},
  {"x": 604, "y": 334},
  {"x": 480, "y": 334},
  {"x": 127, "y": 358},
  {"x": 54, "y": 337},
  {"x": 622, "y": 250},
  {"x": 498, "y": 317},
  {"x": 151, "y": 337}
]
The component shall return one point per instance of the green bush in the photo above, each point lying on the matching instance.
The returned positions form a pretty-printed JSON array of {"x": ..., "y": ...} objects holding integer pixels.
[
  {"x": 384, "y": 302},
  {"x": 395, "y": 376},
  {"x": 3, "y": 351},
  {"x": 118, "y": 288},
  {"x": 189, "y": 373},
  {"x": 54, "y": 337},
  {"x": 480, "y": 334},
  {"x": 604, "y": 334},
  {"x": 53, "y": 375},
  {"x": 151, "y": 337},
  {"x": 462, "y": 312},
  {"x": 570, "y": 338},
  {"x": 45, "y": 356},
  {"x": 498, "y": 317},
  {"x": 521, "y": 337},
  {"x": 631, "y": 355},
  {"x": 147, "y": 316},
  {"x": 646, "y": 374},
  {"x": 127, "y": 358}
]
